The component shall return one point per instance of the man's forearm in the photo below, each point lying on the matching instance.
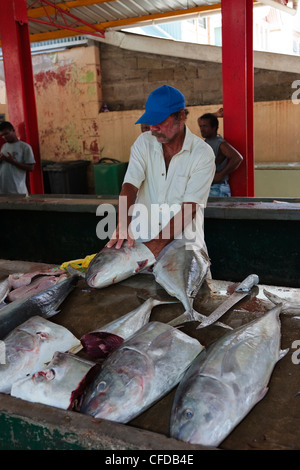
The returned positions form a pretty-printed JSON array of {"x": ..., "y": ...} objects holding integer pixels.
[
  {"x": 127, "y": 199},
  {"x": 174, "y": 228}
]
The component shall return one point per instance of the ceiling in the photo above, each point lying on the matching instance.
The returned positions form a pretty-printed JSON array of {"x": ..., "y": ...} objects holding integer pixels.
[
  {"x": 55, "y": 19},
  {"x": 61, "y": 18}
]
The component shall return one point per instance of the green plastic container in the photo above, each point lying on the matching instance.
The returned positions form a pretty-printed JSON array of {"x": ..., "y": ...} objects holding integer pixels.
[{"x": 108, "y": 176}]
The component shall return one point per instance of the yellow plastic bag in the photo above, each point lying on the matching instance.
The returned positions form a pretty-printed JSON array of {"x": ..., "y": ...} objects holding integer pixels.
[{"x": 80, "y": 264}]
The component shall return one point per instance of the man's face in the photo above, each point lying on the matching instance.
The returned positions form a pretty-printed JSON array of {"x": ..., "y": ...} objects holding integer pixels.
[
  {"x": 8, "y": 135},
  {"x": 168, "y": 130},
  {"x": 145, "y": 128},
  {"x": 206, "y": 129}
]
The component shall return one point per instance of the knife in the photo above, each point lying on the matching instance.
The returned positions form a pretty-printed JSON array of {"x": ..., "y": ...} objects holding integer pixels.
[{"x": 241, "y": 291}]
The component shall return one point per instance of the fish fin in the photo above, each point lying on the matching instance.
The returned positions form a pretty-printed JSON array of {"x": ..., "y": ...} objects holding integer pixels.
[
  {"x": 262, "y": 393},
  {"x": 287, "y": 307},
  {"x": 187, "y": 316},
  {"x": 272, "y": 297},
  {"x": 71, "y": 270},
  {"x": 198, "y": 317},
  {"x": 141, "y": 265},
  {"x": 282, "y": 353},
  {"x": 51, "y": 313},
  {"x": 75, "y": 349}
]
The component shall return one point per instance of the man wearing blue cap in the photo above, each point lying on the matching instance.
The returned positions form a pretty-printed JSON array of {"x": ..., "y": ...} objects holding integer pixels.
[{"x": 169, "y": 168}]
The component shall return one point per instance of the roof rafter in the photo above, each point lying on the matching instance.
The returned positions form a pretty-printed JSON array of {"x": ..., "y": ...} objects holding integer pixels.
[
  {"x": 62, "y": 19},
  {"x": 125, "y": 21},
  {"x": 40, "y": 11}
]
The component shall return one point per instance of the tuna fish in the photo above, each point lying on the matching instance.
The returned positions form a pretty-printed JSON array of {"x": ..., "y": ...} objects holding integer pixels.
[
  {"x": 113, "y": 265},
  {"x": 30, "y": 346},
  {"x": 181, "y": 272},
  {"x": 142, "y": 370},
  {"x": 43, "y": 304},
  {"x": 59, "y": 384},
  {"x": 102, "y": 342},
  {"x": 225, "y": 382}
]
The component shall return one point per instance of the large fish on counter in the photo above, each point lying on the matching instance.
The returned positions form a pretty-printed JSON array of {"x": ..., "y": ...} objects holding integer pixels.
[
  {"x": 142, "y": 370},
  {"x": 181, "y": 271},
  {"x": 29, "y": 346},
  {"x": 102, "y": 342},
  {"x": 44, "y": 304},
  {"x": 113, "y": 265},
  {"x": 59, "y": 384},
  {"x": 225, "y": 382}
]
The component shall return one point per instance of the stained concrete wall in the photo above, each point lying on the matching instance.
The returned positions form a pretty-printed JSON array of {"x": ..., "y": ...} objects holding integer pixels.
[
  {"x": 120, "y": 70},
  {"x": 129, "y": 76}
]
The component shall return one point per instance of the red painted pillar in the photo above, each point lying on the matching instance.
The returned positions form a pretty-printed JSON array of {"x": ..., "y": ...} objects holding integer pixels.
[
  {"x": 238, "y": 86},
  {"x": 19, "y": 81}
]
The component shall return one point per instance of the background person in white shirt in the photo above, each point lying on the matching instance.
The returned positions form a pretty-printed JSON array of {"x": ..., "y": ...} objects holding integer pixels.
[
  {"x": 16, "y": 158},
  {"x": 168, "y": 166}
]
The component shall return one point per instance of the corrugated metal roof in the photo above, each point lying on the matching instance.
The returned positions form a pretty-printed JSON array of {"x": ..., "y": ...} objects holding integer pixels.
[{"x": 105, "y": 15}]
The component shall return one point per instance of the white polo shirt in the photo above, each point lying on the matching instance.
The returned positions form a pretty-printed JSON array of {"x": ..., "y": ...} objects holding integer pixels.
[{"x": 188, "y": 179}]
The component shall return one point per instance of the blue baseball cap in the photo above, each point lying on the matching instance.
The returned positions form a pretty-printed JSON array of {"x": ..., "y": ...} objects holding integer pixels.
[{"x": 161, "y": 102}]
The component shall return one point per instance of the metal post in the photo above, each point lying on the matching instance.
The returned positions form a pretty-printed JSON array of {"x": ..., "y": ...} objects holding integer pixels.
[
  {"x": 238, "y": 86},
  {"x": 19, "y": 81}
]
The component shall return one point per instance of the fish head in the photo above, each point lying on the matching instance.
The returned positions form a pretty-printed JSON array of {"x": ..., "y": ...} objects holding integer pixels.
[
  {"x": 120, "y": 387},
  {"x": 112, "y": 265},
  {"x": 200, "y": 413},
  {"x": 101, "y": 266}
]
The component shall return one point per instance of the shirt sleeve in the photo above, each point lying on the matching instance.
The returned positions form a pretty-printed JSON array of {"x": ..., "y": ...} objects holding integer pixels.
[
  {"x": 201, "y": 177},
  {"x": 136, "y": 170},
  {"x": 28, "y": 156}
]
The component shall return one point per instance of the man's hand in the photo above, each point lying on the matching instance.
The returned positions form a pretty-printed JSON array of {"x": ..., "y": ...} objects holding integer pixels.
[
  {"x": 117, "y": 240},
  {"x": 126, "y": 200},
  {"x": 8, "y": 158}
]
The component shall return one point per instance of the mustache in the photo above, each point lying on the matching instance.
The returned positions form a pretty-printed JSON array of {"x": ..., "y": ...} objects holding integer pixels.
[{"x": 157, "y": 134}]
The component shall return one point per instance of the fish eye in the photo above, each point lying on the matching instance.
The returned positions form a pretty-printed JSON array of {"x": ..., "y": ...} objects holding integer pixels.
[
  {"x": 102, "y": 386},
  {"x": 50, "y": 374},
  {"x": 188, "y": 414}
]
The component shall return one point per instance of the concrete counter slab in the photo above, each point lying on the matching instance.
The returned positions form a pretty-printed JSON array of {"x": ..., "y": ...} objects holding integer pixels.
[{"x": 242, "y": 234}]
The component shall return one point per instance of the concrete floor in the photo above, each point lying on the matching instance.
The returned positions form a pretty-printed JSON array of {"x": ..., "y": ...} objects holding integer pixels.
[{"x": 272, "y": 424}]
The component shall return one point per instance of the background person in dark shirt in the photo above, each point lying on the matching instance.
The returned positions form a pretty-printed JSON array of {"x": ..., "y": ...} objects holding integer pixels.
[{"x": 227, "y": 158}]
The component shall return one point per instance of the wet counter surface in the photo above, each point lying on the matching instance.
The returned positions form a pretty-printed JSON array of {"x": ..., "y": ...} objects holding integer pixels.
[{"x": 274, "y": 423}]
